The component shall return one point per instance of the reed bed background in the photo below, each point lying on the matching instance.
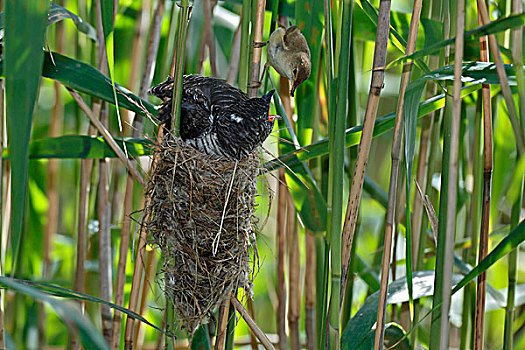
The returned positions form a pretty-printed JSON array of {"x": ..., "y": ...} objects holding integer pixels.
[{"x": 391, "y": 191}]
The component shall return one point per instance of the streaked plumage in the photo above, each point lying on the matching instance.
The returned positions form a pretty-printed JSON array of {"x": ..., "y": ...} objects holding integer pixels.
[{"x": 217, "y": 118}]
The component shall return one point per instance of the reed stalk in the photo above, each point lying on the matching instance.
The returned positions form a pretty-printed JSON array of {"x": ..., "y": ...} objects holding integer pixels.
[
  {"x": 230, "y": 329},
  {"x": 100, "y": 120},
  {"x": 294, "y": 268},
  {"x": 517, "y": 57},
  {"x": 508, "y": 335},
  {"x": 281, "y": 249},
  {"x": 138, "y": 267},
  {"x": 376, "y": 84},
  {"x": 255, "y": 68},
  {"x": 504, "y": 83},
  {"x": 352, "y": 120},
  {"x": 245, "y": 35},
  {"x": 335, "y": 182},
  {"x": 487, "y": 180},
  {"x": 396, "y": 155},
  {"x": 209, "y": 37},
  {"x": 254, "y": 328},
  {"x": 150, "y": 265},
  {"x": 177, "y": 68},
  {"x": 447, "y": 223},
  {"x": 309, "y": 291},
  {"x": 222, "y": 324},
  {"x": 233, "y": 67},
  {"x": 138, "y": 124}
]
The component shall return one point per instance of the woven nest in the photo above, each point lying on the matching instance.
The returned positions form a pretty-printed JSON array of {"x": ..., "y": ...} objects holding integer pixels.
[{"x": 201, "y": 215}]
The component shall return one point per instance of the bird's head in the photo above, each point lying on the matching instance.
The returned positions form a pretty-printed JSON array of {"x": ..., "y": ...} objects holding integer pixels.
[
  {"x": 267, "y": 98},
  {"x": 301, "y": 68}
]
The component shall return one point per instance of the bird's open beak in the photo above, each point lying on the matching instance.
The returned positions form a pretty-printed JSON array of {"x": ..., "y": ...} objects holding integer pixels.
[
  {"x": 268, "y": 95},
  {"x": 271, "y": 118}
]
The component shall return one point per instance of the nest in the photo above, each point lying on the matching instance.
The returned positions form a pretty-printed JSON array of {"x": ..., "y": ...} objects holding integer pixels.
[{"x": 200, "y": 216}]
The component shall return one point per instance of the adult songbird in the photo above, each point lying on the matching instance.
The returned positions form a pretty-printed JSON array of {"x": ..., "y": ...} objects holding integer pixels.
[
  {"x": 289, "y": 54},
  {"x": 217, "y": 118}
]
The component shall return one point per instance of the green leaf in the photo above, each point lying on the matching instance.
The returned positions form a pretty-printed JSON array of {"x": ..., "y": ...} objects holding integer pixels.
[
  {"x": 70, "y": 314},
  {"x": 58, "y": 13},
  {"x": 399, "y": 42},
  {"x": 499, "y": 25},
  {"x": 23, "y": 63},
  {"x": 511, "y": 241},
  {"x": 308, "y": 200},
  {"x": 87, "y": 79},
  {"x": 201, "y": 340},
  {"x": 68, "y": 293},
  {"x": 473, "y": 72},
  {"x": 361, "y": 325},
  {"x": 107, "y": 16},
  {"x": 309, "y": 18},
  {"x": 353, "y": 135},
  {"x": 394, "y": 339},
  {"x": 83, "y": 147}
]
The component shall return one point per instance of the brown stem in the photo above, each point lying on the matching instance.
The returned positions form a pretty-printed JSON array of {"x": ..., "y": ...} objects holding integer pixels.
[
  {"x": 222, "y": 325},
  {"x": 294, "y": 263},
  {"x": 146, "y": 286},
  {"x": 147, "y": 77},
  {"x": 107, "y": 136},
  {"x": 281, "y": 248},
  {"x": 257, "y": 51},
  {"x": 485, "y": 211},
  {"x": 137, "y": 272},
  {"x": 483, "y": 18},
  {"x": 251, "y": 323},
  {"x": 233, "y": 68},
  {"x": 309, "y": 291},
  {"x": 208, "y": 6},
  {"x": 376, "y": 85}
]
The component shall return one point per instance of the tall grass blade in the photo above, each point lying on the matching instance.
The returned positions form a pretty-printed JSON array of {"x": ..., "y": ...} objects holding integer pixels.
[
  {"x": 23, "y": 63},
  {"x": 89, "y": 335},
  {"x": 308, "y": 200},
  {"x": 494, "y": 27},
  {"x": 353, "y": 134}
]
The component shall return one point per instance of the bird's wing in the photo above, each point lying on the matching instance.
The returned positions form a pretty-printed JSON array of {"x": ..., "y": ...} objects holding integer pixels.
[{"x": 294, "y": 40}]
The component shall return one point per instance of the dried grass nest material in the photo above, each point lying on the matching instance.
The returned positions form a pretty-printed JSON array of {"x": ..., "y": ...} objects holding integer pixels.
[{"x": 201, "y": 216}]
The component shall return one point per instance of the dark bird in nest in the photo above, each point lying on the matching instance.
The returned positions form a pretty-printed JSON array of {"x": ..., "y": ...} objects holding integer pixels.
[
  {"x": 288, "y": 54},
  {"x": 217, "y": 118}
]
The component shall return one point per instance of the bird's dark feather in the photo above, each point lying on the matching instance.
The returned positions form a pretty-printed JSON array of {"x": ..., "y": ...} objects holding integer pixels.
[{"x": 216, "y": 117}]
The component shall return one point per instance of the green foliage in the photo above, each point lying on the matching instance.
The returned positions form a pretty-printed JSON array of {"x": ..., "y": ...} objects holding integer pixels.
[
  {"x": 31, "y": 103},
  {"x": 23, "y": 61}
]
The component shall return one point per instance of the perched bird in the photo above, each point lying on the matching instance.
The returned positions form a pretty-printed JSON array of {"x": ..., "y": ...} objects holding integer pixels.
[
  {"x": 217, "y": 118},
  {"x": 288, "y": 54}
]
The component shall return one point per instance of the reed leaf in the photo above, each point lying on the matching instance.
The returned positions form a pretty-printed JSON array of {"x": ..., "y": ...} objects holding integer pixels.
[
  {"x": 89, "y": 335},
  {"x": 23, "y": 63},
  {"x": 494, "y": 27},
  {"x": 308, "y": 200}
]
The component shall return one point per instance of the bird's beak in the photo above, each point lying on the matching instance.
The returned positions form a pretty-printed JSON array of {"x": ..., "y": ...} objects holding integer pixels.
[
  {"x": 294, "y": 86},
  {"x": 272, "y": 117},
  {"x": 268, "y": 95}
]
